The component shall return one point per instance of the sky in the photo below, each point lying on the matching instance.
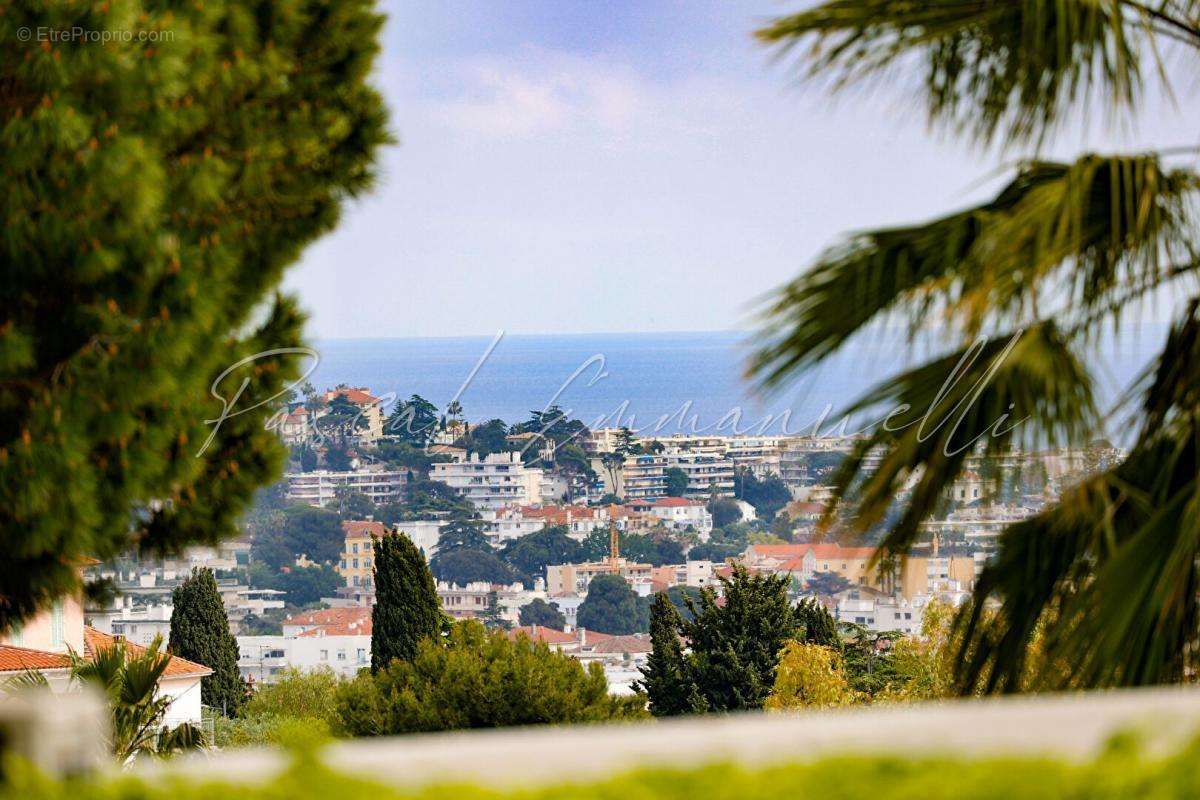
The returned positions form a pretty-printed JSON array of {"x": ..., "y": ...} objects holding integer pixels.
[{"x": 585, "y": 167}]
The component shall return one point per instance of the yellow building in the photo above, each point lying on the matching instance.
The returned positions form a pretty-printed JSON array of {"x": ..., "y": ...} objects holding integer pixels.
[{"x": 357, "y": 564}]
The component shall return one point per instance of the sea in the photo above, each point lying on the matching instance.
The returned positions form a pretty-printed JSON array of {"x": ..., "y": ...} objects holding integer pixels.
[{"x": 665, "y": 383}]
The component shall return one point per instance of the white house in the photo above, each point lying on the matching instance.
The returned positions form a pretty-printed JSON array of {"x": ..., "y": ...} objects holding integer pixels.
[
  {"x": 335, "y": 638},
  {"x": 43, "y": 644}
]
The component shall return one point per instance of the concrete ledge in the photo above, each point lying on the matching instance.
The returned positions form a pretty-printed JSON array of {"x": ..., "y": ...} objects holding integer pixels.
[{"x": 1073, "y": 727}]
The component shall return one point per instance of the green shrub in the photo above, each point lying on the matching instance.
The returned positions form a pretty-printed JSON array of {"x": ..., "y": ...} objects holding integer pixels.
[
  {"x": 298, "y": 694},
  {"x": 267, "y": 729},
  {"x": 477, "y": 679}
]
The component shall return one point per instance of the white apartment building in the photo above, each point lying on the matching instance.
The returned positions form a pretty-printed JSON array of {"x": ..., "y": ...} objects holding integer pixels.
[
  {"x": 643, "y": 477},
  {"x": 475, "y": 599},
  {"x": 498, "y": 480},
  {"x": 707, "y": 474},
  {"x": 319, "y": 488},
  {"x": 335, "y": 638},
  {"x": 679, "y": 513}
]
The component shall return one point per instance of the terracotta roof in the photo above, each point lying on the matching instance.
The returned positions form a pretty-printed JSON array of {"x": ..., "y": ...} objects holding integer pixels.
[
  {"x": 363, "y": 528},
  {"x": 635, "y": 643},
  {"x": 336, "y": 617},
  {"x": 675, "y": 502},
  {"x": 540, "y": 633},
  {"x": 94, "y": 640},
  {"x": 358, "y": 396},
  {"x": 785, "y": 552},
  {"x": 19, "y": 659}
]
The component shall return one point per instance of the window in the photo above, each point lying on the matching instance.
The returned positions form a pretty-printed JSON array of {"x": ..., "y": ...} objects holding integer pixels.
[
  {"x": 341, "y": 655},
  {"x": 324, "y": 655},
  {"x": 362, "y": 654},
  {"x": 58, "y": 634}
]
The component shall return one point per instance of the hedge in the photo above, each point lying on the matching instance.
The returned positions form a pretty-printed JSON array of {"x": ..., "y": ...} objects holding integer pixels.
[{"x": 1121, "y": 772}]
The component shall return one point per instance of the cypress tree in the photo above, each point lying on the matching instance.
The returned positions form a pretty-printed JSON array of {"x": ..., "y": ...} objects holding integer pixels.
[
  {"x": 736, "y": 647},
  {"x": 818, "y": 624},
  {"x": 155, "y": 188},
  {"x": 666, "y": 678},
  {"x": 406, "y": 610},
  {"x": 200, "y": 632}
]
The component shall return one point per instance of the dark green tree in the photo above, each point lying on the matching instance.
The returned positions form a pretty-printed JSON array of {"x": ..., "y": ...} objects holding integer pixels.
[
  {"x": 677, "y": 482},
  {"x": 735, "y": 647},
  {"x": 611, "y": 606},
  {"x": 413, "y": 421},
  {"x": 768, "y": 495},
  {"x": 477, "y": 678},
  {"x": 307, "y": 457},
  {"x": 539, "y": 612},
  {"x": 200, "y": 632},
  {"x": 153, "y": 198},
  {"x": 679, "y": 595},
  {"x": 486, "y": 438},
  {"x": 462, "y": 534},
  {"x": 467, "y": 565},
  {"x": 666, "y": 678},
  {"x": 407, "y": 608},
  {"x": 530, "y": 555},
  {"x": 303, "y": 585},
  {"x": 724, "y": 512},
  {"x": 817, "y": 623},
  {"x": 826, "y": 584}
]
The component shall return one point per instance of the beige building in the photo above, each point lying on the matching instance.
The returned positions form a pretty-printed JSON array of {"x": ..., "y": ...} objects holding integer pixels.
[
  {"x": 498, "y": 480},
  {"x": 370, "y": 407}
]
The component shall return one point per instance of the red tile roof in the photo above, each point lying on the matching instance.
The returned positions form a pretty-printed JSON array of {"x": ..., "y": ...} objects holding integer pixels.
[
  {"x": 675, "y": 502},
  {"x": 94, "y": 640},
  {"x": 19, "y": 659},
  {"x": 358, "y": 396},
  {"x": 332, "y": 617},
  {"x": 363, "y": 528},
  {"x": 540, "y": 633},
  {"x": 635, "y": 643}
]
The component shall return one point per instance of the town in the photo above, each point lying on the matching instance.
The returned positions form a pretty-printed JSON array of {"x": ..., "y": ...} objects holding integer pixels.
[{"x": 517, "y": 523}]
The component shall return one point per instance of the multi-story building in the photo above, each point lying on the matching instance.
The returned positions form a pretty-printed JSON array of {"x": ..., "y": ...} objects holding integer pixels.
[
  {"x": 573, "y": 579},
  {"x": 335, "y": 638},
  {"x": 498, "y": 480},
  {"x": 357, "y": 563},
  {"x": 370, "y": 408},
  {"x": 707, "y": 475},
  {"x": 679, "y": 513},
  {"x": 643, "y": 477},
  {"x": 319, "y": 488},
  {"x": 477, "y": 598}
]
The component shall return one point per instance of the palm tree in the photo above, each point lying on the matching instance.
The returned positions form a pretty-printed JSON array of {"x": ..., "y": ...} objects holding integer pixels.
[
  {"x": 1099, "y": 589},
  {"x": 129, "y": 681}
]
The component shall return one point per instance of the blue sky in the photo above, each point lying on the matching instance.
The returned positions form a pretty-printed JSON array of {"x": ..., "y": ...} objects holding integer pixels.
[{"x": 571, "y": 167}]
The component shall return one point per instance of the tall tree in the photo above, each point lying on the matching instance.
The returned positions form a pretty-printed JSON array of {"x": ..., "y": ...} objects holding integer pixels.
[
  {"x": 200, "y": 632},
  {"x": 817, "y": 623},
  {"x": 529, "y": 555},
  {"x": 413, "y": 421},
  {"x": 153, "y": 196},
  {"x": 1026, "y": 284},
  {"x": 406, "y": 609},
  {"x": 736, "y": 646},
  {"x": 666, "y": 677}
]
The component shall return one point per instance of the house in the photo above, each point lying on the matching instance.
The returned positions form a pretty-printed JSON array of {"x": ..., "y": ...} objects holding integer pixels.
[
  {"x": 44, "y": 644},
  {"x": 678, "y": 513},
  {"x": 335, "y": 638},
  {"x": 357, "y": 563},
  {"x": 369, "y": 406}
]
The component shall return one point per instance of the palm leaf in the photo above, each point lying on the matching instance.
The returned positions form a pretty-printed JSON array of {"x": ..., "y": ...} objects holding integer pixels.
[
  {"x": 965, "y": 404},
  {"x": 992, "y": 68},
  {"x": 1075, "y": 236}
]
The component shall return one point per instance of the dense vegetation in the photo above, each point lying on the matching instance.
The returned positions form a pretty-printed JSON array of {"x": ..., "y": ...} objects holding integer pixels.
[{"x": 153, "y": 196}]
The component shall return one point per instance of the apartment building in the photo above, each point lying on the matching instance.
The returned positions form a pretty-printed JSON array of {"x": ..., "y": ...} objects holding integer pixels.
[
  {"x": 643, "y": 477},
  {"x": 357, "y": 563},
  {"x": 319, "y": 488},
  {"x": 573, "y": 579},
  {"x": 335, "y": 638},
  {"x": 493, "y": 482},
  {"x": 707, "y": 475}
]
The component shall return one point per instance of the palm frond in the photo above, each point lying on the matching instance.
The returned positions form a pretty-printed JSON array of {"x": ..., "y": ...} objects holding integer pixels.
[
  {"x": 991, "y": 69},
  {"x": 1074, "y": 236},
  {"x": 1026, "y": 388},
  {"x": 1110, "y": 573}
]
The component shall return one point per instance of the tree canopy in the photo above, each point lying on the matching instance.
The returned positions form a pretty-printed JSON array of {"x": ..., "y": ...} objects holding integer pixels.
[
  {"x": 200, "y": 633},
  {"x": 153, "y": 198},
  {"x": 407, "y": 609}
]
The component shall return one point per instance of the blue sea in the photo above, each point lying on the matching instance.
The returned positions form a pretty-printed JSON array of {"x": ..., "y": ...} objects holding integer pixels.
[{"x": 667, "y": 382}]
